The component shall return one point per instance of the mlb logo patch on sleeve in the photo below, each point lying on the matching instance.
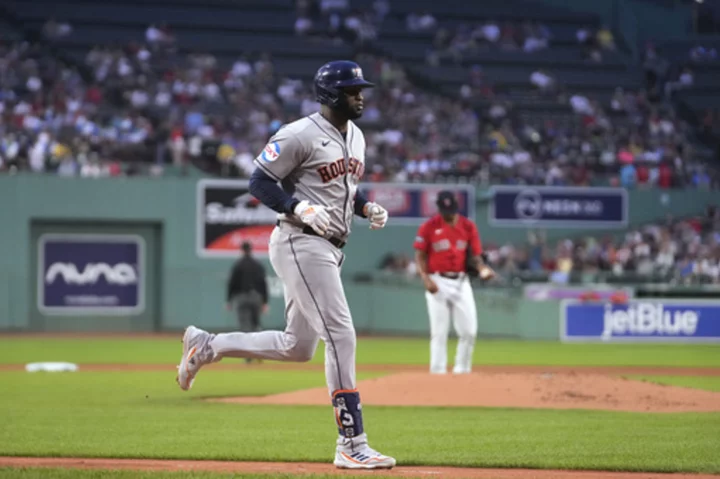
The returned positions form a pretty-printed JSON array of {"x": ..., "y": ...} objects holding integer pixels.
[{"x": 271, "y": 152}]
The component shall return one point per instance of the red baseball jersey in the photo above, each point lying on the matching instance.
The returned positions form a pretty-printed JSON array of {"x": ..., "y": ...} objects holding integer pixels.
[{"x": 446, "y": 245}]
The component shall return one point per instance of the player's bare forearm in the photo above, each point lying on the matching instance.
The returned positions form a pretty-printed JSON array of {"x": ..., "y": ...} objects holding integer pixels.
[
  {"x": 479, "y": 263},
  {"x": 486, "y": 272},
  {"x": 421, "y": 262}
]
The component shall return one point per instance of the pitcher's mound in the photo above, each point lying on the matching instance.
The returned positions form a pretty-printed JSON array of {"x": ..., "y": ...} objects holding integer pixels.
[{"x": 525, "y": 390}]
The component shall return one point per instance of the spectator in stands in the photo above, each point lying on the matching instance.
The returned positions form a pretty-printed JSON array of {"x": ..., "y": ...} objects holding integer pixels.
[
  {"x": 617, "y": 102},
  {"x": 581, "y": 104},
  {"x": 159, "y": 36},
  {"x": 685, "y": 79},
  {"x": 398, "y": 264},
  {"x": 656, "y": 68},
  {"x": 10, "y": 152},
  {"x": 53, "y": 30},
  {"x": 536, "y": 37},
  {"x": 543, "y": 81},
  {"x": 420, "y": 22},
  {"x": 487, "y": 34},
  {"x": 477, "y": 87},
  {"x": 462, "y": 43},
  {"x": 707, "y": 269},
  {"x": 381, "y": 8},
  {"x": 303, "y": 25},
  {"x": 590, "y": 45},
  {"x": 509, "y": 37},
  {"x": 328, "y": 7},
  {"x": 583, "y": 35},
  {"x": 605, "y": 39},
  {"x": 359, "y": 28},
  {"x": 700, "y": 177},
  {"x": 441, "y": 50},
  {"x": 700, "y": 53}
]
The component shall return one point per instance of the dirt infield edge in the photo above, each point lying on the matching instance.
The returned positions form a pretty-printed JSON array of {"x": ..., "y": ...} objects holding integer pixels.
[
  {"x": 394, "y": 368},
  {"x": 303, "y": 468}
]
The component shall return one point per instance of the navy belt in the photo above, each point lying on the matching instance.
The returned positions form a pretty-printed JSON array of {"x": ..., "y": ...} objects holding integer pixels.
[
  {"x": 336, "y": 242},
  {"x": 451, "y": 275}
]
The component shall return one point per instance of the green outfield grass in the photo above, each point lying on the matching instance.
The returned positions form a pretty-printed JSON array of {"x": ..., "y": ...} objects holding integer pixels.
[
  {"x": 708, "y": 383},
  {"x": 144, "y": 414},
  {"x": 22, "y": 350},
  {"x": 45, "y": 473}
]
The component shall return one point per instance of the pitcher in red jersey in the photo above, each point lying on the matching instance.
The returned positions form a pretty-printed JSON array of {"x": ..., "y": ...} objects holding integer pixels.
[{"x": 441, "y": 246}]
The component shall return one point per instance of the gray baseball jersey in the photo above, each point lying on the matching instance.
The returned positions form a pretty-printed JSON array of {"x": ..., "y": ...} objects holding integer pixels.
[{"x": 314, "y": 162}]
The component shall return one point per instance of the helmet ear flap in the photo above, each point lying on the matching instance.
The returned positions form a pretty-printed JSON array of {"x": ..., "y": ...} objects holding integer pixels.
[
  {"x": 335, "y": 98},
  {"x": 328, "y": 96}
]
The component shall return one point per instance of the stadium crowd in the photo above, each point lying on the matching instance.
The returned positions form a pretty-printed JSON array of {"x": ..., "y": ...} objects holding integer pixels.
[
  {"x": 685, "y": 250},
  {"x": 146, "y": 101},
  {"x": 465, "y": 40},
  {"x": 53, "y": 120}
]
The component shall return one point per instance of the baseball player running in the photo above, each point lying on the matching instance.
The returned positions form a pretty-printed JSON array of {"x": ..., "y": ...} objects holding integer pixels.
[
  {"x": 318, "y": 162},
  {"x": 441, "y": 246}
]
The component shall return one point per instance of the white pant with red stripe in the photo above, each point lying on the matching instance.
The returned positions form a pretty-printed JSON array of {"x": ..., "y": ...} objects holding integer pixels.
[{"x": 454, "y": 299}]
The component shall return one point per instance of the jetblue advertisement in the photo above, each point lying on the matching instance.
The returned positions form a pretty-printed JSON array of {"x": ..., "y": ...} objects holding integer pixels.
[
  {"x": 560, "y": 207},
  {"x": 90, "y": 274},
  {"x": 641, "y": 320}
]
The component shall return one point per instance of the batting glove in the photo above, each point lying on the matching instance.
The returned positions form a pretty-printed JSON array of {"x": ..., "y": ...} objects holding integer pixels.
[
  {"x": 377, "y": 215},
  {"x": 315, "y": 216}
]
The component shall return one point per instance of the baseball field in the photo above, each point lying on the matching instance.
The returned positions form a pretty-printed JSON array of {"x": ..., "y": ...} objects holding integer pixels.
[{"x": 530, "y": 409}]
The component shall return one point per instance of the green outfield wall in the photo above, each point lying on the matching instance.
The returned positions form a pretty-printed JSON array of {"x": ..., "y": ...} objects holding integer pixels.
[{"x": 181, "y": 288}]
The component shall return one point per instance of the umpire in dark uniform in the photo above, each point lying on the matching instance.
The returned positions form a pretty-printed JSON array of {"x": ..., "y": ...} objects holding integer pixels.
[{"x": 247, "y": 291}]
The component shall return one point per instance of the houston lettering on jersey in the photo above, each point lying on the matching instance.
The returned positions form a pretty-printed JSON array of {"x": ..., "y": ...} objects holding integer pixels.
[{"x": 337, "y": 168}]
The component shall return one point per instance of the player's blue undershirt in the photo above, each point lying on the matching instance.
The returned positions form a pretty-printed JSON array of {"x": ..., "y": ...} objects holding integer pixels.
[{"x": 267, "y": 190}]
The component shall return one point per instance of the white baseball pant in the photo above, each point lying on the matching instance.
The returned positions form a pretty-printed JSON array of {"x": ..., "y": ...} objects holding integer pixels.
[
  {"x": 454, "y": 299},
  {"x": 315, "y": 308}
]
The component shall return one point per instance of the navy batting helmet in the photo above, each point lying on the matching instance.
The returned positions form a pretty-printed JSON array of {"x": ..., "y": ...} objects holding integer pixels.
[{"x": 333, "y": 76}]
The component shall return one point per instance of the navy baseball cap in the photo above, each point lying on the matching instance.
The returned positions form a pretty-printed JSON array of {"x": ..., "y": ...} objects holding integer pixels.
[{"x": 447, "y": 203}]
